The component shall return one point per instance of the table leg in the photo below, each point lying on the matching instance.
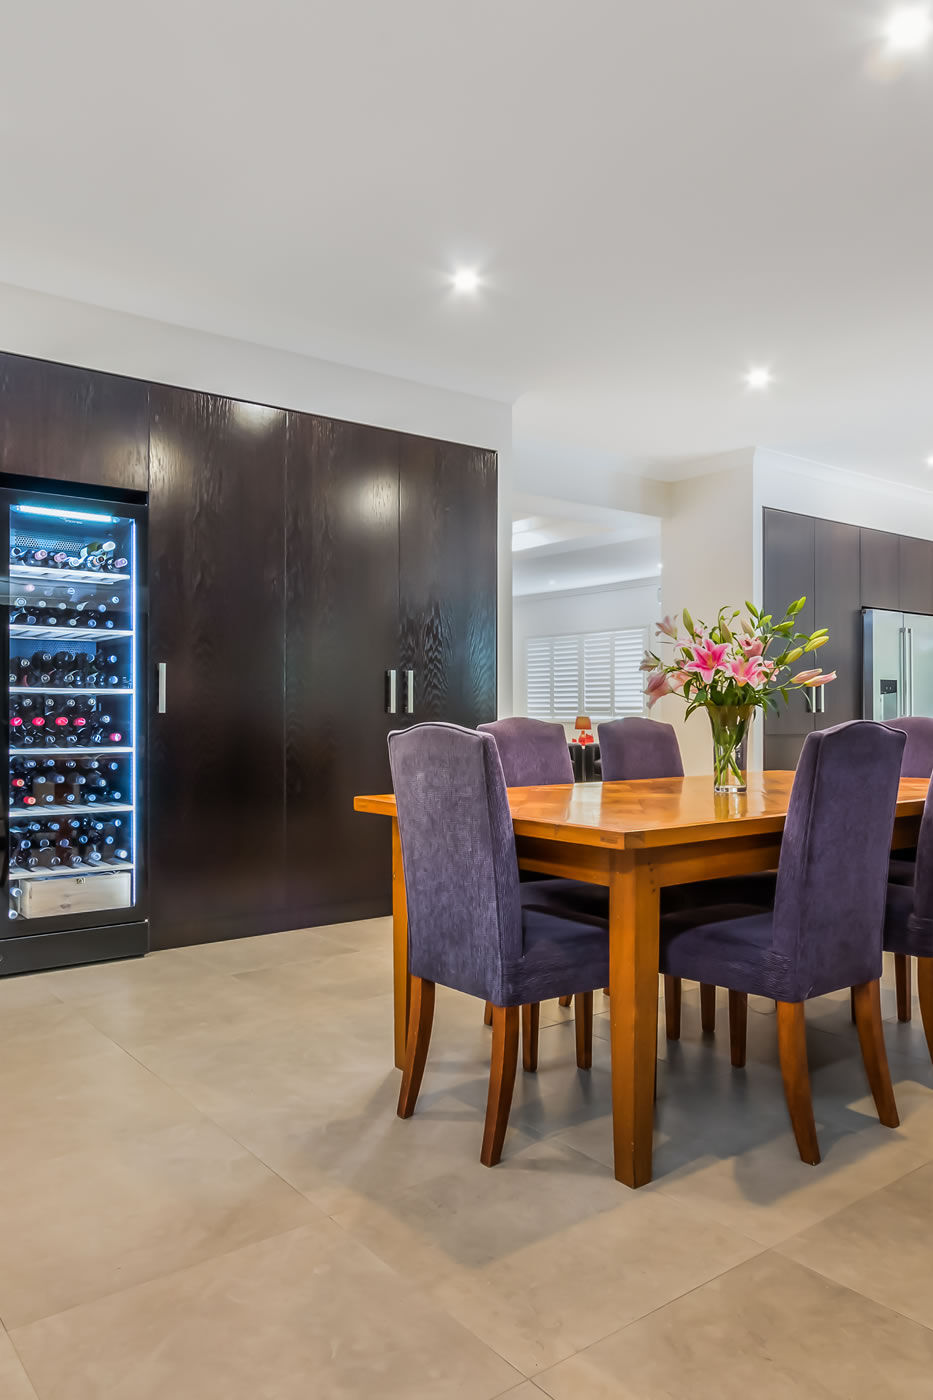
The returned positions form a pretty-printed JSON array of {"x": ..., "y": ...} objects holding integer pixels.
[
  {"x": 401, "y": 981},
  {"x": 633, "y": 1006}
]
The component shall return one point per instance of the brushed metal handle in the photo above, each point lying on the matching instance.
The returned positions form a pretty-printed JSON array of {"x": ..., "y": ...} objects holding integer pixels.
[
  {"x": 391, "y": 692},
  {"x": 409, "y": 692},
  {"x": 910, "y": 670},
  {"x": 163, "y": 678}
]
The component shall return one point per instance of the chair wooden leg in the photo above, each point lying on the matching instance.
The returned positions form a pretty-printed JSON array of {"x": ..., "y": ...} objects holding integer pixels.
[
  {"x": 583, "y": 1020},
  {"x": 605, "y": 991},
  {"x": 564, "y": 1001},
  {"x": 902, "y": 985},
  {"x": 420, "y": 1021},
  {"x": 738, "y": 1027},
  {"x": 925, "y": 997},
  {"x": 487, "y": 1016},
  {"x": 673, "y": 990},
  {"x": 531, "y": 1019},
  {"x": 792, "y": 1049},
  {"x": 707, "y": 1007},
  {"x": 503, "y": 1062},
  {"x": 874, "y": 1054}
]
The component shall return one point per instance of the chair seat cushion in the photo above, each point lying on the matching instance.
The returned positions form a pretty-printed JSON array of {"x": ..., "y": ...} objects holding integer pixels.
[
  {"x": 559, "y": 956},
  {"x": 727, "y": 946},
  {"x": 574, "y": 899},
  {"x": 904, "y": 932}
]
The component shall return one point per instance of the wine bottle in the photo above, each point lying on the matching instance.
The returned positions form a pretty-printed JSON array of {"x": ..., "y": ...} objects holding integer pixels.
[
  {"x": 17, "y": 554},
  {"x": 38, "y": 558},
  {"x": 24, "y": 617}
]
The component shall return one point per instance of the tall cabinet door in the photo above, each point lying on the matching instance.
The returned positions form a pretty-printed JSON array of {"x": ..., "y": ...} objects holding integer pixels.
[
  {"x": 216, "y": 532},
  {"x": 447, "y": 580},
  {"x": 837, "y": 607},
  {"x": 789, "y": 572},
  {"x": 342, "y": 629}
]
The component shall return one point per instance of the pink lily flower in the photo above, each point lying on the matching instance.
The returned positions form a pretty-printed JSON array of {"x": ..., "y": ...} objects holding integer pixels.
[
  {"x": 804, "y": 677},
  {"x": 667, "y": 627},
  {"x": 751, "y": 646},
  {"x": 657, "y": 685},
  {"x": 708, "y": 658},
  {"x": 820, "y": 680},
  {"x": 748, "y": 671}
]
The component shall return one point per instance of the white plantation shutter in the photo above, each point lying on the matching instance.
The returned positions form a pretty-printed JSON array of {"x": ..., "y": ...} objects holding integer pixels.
[{"x": 593, "y": 673}]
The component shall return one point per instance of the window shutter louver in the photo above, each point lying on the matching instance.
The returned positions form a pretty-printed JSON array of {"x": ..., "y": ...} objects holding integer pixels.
[{"x": 593, "y": 673}]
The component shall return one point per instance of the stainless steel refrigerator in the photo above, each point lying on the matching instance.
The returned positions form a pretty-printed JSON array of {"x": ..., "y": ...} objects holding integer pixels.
[{"x": 897, "y": 661}]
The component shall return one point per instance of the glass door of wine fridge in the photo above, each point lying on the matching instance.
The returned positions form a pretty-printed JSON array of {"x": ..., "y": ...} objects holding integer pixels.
[{"x": 75, "y": 878}]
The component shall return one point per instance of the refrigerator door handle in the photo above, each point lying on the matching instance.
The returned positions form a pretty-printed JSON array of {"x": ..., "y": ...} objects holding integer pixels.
[
  {"x": 902, "y": 669},
  {"x": 162, "y": 672},
  {"x": 409, "y": 692},
  {"x": 392, "y": 692}
]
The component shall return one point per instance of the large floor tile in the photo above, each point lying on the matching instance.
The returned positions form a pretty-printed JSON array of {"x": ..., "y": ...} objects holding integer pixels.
[
  {"x": 768, "y": 1193},
  {"x": 768, "y": 1328},
  {"x": 546, "y": 1299},
  {"x": 78, "y": 1226},
  {"x": 291, "y": 946},
  {"x": 310, "y": 1313},
  {"x": 470, "y": 1218},
  {"x": 879, "y": 1246},
  {"x": 53, "y": 1105},
  {"x": 14, "y": 1383},
  {"x": 50, "y": 1032},
  {"x": 31, "y": 990}
]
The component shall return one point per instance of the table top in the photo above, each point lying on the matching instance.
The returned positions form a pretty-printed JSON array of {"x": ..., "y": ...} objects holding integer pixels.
[{"x": 654, "y": 811}]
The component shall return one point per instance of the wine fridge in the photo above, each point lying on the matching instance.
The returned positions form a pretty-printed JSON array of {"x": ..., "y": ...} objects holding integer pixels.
[{"x": 74, "y": 874}]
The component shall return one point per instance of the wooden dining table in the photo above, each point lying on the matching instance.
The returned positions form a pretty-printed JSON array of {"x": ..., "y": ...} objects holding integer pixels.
[{"x": 636, "y": 838}]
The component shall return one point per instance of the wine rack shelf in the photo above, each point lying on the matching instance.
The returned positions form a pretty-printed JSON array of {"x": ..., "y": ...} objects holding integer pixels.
[
  {"x": 35, "y": 571},
  {"x": 104, "y": 868},
  {"x": 69, "y": 690},
  {"x": 82, "y": 634},
  {"x": 55, "y": 750},
  {"x": 68, "y": 809}
]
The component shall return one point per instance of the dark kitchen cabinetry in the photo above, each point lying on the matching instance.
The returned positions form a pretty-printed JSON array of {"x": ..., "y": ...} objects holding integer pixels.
[
  {"x": 342, "y": 631},
  {"x": 843, "y": 569},
  {"x": 217, "y": 548},
  {"x": 390, "y": 620},
  {"x": 75, "y": 426}
]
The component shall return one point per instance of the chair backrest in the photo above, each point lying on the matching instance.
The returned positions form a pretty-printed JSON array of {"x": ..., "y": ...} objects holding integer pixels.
[
  {"x": 458, "y": 854},
  {"x": 918, "y": 755},
  {"x": 532, "y": 752},
  {"x": 833, "y": 871},
  {"x": 638, "y": 748},
  {"x": 921, "y": 920}
]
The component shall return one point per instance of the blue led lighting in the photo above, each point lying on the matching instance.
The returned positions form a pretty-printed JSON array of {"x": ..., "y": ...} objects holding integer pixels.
[{"x": 66, "y": 514}]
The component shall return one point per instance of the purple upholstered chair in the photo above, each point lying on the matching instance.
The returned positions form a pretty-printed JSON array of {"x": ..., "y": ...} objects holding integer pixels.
[
  {"x": 468, "y": 927},
  {"x": 638, "y": 748},
  {"x": 918, "y": 763},
  {"x": 825, "y": 930},
  {"x": 908, "y": 924},
  {"x": 532, "y": 752}
]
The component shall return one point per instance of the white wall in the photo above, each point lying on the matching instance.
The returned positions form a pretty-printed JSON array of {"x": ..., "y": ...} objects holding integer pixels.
[
  {"x": 707, "y": 553},
  {"x": 633, "y": 604},
  {"x": 53, "y": 328}
]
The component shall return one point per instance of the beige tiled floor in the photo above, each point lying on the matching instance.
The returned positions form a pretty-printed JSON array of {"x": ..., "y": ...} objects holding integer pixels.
[{"x": 206, "y": 1193}]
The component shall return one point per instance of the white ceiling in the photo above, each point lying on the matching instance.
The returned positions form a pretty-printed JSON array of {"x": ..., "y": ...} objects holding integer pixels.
[{"x": 658, "y": 195}]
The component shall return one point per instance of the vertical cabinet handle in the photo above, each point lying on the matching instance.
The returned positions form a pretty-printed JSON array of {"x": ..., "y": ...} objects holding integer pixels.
[
  {"x": 162, "y": 672},
  {"x": 391, "y": 692},
  {"x": 910, "y": 670},
  {"x": 409, "y": 692}
]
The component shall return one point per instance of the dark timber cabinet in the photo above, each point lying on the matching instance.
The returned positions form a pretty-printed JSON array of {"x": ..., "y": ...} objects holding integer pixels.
[
  {"x": 294, "y": 561},
  {"x": 842, "y": 569}
]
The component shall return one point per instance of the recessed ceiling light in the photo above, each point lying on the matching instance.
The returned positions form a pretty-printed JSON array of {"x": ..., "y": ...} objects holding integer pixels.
[
  {"x": 465, "y": 279},
  {"x": 908, "y": 28},
  {"x": 930, "y": 461},
  {"x": 552, "y": 583},
  {"x": 758, "y": 378}
]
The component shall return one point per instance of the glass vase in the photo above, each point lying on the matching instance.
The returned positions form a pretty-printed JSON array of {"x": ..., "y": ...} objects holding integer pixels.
[{"x": 729, "y": 724}]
